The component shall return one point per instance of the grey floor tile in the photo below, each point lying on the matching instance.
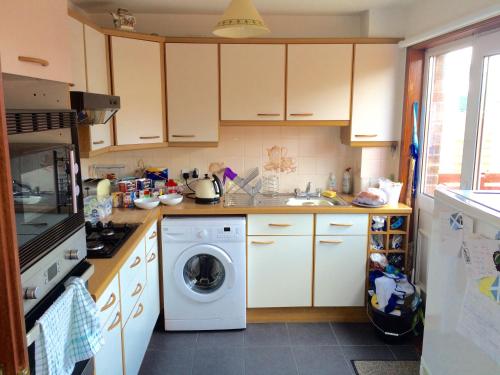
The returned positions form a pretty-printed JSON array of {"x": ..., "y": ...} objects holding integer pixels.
[
  {"x": 367, "y": 352},
  {"x": 173, "y": 362},
  {"x": 220, "y": 361},
  {"x": 221, "y": 338},
  {"x": 356, "y": 334},
  {"x": 405, "y": 352},
  {"x": 311, "y": 334},
  {"x": 266, "y": 334},
  {"x": 271, "y": 360},
  {"x": 321, "y": 360},
  {"x": 167, "y": 340}
]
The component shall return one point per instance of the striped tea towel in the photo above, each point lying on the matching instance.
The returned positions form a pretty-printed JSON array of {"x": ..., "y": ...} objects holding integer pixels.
[{"x": 70, "y": 331}]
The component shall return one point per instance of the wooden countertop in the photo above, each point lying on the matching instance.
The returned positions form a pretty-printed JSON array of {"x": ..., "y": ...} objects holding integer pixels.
[
  {"x": 106, "y": 269},
  {"x": 188, "y": 207}
]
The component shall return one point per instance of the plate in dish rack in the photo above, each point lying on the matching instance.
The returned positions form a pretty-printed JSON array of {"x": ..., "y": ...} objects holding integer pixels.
[{"x": 367, "y": 205}]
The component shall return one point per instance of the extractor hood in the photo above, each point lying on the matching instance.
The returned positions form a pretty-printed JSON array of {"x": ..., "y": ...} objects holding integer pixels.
[{"x": 92, "y": 108}]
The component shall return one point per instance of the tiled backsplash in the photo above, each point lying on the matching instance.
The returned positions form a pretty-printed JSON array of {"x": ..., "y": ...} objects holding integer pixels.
[{"x": 298, "y": 154}]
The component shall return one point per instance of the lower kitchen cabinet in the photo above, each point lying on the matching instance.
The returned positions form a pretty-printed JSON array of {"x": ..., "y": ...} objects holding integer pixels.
[
  {"x": 339, "y": 272},
  {"x": 153, "y": 287},
  {"x": 108, "y": 360},
  {"x": 279, "y": 271}
]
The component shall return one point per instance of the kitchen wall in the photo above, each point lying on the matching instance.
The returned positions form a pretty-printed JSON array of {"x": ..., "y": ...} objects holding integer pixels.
[{"x": 298, "y": 154}]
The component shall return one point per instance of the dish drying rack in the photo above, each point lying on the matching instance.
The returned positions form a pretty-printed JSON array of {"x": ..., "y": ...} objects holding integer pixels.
[{"x": 244, "y": 183}]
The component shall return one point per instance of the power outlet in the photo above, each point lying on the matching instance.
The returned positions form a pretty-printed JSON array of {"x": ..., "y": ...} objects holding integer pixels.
[{"x": 191, "y": 173}]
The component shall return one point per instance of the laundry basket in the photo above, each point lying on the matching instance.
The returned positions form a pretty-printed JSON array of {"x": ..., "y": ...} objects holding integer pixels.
[{"x": 393, "y": 328}]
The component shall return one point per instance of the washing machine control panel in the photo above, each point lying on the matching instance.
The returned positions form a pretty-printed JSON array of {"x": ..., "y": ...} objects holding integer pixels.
[{"x": 205, "y": 231}]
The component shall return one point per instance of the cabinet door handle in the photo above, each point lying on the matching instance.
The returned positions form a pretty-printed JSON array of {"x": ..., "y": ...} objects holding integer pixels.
[
  {"x": 262, "y": 242},
  {"x": 153, "y": 235},
  {"x": 116, "y": 321},
  {"x": 98, "y": 142},
  {"x": 330, "y": 241},
  {"x": 183, "y": 135},
  {"x": 280, "y": 225},
  {"x": 269, "y": 114},
  {"x": 139, "y": 311},
  {"x": 341, "y": 225},
  {"x": 111, "y": 301},
  {"x": 137, "y": 261},
  {"x": 152, "y": 257},
  {"x": 301, "y": 114},
  {"x": 137, "y": 289},
  {"x": 35, "y": 60},
  {"x": 365, "y": 135},
  {"x": 149, "y": 137}
]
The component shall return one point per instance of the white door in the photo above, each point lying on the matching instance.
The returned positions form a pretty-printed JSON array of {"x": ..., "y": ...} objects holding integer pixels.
[
  {"x": 279, "y": 271},
  {"x": 204, "y": 273},
  {"x": 192, "y": 92},
  {"x": 460, "y": 135},
  {"x": 137, "y": 79},
  {"x": 319, "y": 81},
  {"x": 339, "y": 262},
  {"x": 252, "y": 81}
]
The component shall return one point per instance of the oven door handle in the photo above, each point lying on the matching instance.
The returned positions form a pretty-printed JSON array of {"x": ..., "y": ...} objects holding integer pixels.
[
  {"x": 33, "y": 334},
  {"x": 74, "y": 186}
]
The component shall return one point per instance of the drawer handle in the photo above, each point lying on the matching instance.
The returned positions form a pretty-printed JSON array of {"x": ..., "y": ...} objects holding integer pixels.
[
  {"x": 137, "y": 261},
  {"x": 98, "y": 142},
  {"x": 269, "y": 114},
  {"x": 137, "y": 290},
  {"x": 331, "y": 241},
  {"x": 280, "y": 225},
  {"x": 110, "y": 303},
  {"x": 302, "y": 114},
  {"x": 139, "y": 310},
  {"x": 365, "y": 135},
  {"x": 35, "y": 60},
  {"x": 183, "y": 135},
  {"x": 152, "y": 257},
  {"x": 262, "y": 242},
  {"x": 153, "y": 235},
  {"x": 149, "y": 137},
  {"x": 340, "y": 225},
  {"x": 116, "y": 322}
]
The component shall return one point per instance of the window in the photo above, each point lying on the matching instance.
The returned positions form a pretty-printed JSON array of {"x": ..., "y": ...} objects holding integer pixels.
[
  {"x": 446, "y": 115},
  {"x": 488, "y": 168},
  {"x": 461, "y": 116}
]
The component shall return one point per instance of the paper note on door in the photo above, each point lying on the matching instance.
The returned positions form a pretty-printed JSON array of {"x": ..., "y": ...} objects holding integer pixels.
[
  {"x": 453, "y": 226},
  {"x": 481, "y": 257},
  {"x": 479, "y": 320}
]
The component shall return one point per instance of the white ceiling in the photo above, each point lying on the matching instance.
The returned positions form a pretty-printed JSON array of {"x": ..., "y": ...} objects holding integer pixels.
[{"x": 304, "y": 7}]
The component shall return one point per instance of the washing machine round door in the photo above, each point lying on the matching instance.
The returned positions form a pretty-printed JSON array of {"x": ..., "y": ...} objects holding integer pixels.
[{"x": 204, "y": 273}]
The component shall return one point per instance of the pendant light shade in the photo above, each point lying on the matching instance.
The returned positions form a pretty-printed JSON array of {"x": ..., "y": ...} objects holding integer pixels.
[{"x": 240, "y": 20}]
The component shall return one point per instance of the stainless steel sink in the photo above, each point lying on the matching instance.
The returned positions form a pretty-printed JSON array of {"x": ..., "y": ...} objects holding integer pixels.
[{"x": 280, "y": 200}]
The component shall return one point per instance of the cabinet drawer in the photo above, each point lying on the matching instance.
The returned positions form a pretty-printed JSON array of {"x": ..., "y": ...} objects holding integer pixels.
[
  {"x": 340, "y": 224},
  {"x": 339, "y": 271},
  {"x": 279, "y": 271},
  {"x": 152, "y": 237},
  {"x": 276, "y": 224},
  {"x": 108, "y": 361},
  {"x": 130, "y": 294},
  {"x": 108, "y": 300},
  {"x": 134, "y": 266}
]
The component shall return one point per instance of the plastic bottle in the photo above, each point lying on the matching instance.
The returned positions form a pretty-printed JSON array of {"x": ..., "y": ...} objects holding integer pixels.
[
  {"x": 332, "y": 182},
  {"x": 347, "y": 181}
]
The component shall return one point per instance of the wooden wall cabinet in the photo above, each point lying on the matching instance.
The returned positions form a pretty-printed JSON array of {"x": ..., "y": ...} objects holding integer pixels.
[
  {"x": 319, "y": 82},
  {"x": 77, "y": 55},
  {"x": 192, "y": 92},
  {"x": 137, "y": 71},
  {"x": 35, "y": 39},
  {"x": 376, "y": 114},
  {"x": 252, "y": 82}
]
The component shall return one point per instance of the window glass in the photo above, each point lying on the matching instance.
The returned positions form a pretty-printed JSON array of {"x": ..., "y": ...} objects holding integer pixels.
[
  {"x": 445, "y": 123},
  {"x": 488, "y": 173}
]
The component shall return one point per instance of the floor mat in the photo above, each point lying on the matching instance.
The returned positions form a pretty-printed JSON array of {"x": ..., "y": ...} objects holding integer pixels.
[{"x": 386, "y": 367}]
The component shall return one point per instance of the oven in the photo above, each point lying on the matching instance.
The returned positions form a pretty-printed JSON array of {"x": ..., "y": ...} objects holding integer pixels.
[{"x": 47, "y": 202}]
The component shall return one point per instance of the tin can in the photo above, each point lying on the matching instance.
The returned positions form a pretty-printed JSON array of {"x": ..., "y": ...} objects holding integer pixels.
[{"x": 117, "y": 199}]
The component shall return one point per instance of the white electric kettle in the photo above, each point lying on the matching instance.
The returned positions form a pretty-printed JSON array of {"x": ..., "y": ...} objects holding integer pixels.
[{"x": 208, "y": 190}]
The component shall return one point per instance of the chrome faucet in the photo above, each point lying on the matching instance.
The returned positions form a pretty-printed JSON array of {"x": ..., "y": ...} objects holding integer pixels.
[
  {"x": 307, "y": 193},
  {"x": 308, "y": 188}
]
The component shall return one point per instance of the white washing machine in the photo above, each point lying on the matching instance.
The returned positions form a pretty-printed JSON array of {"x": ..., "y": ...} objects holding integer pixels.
[{"x": 204, "y": 273}]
